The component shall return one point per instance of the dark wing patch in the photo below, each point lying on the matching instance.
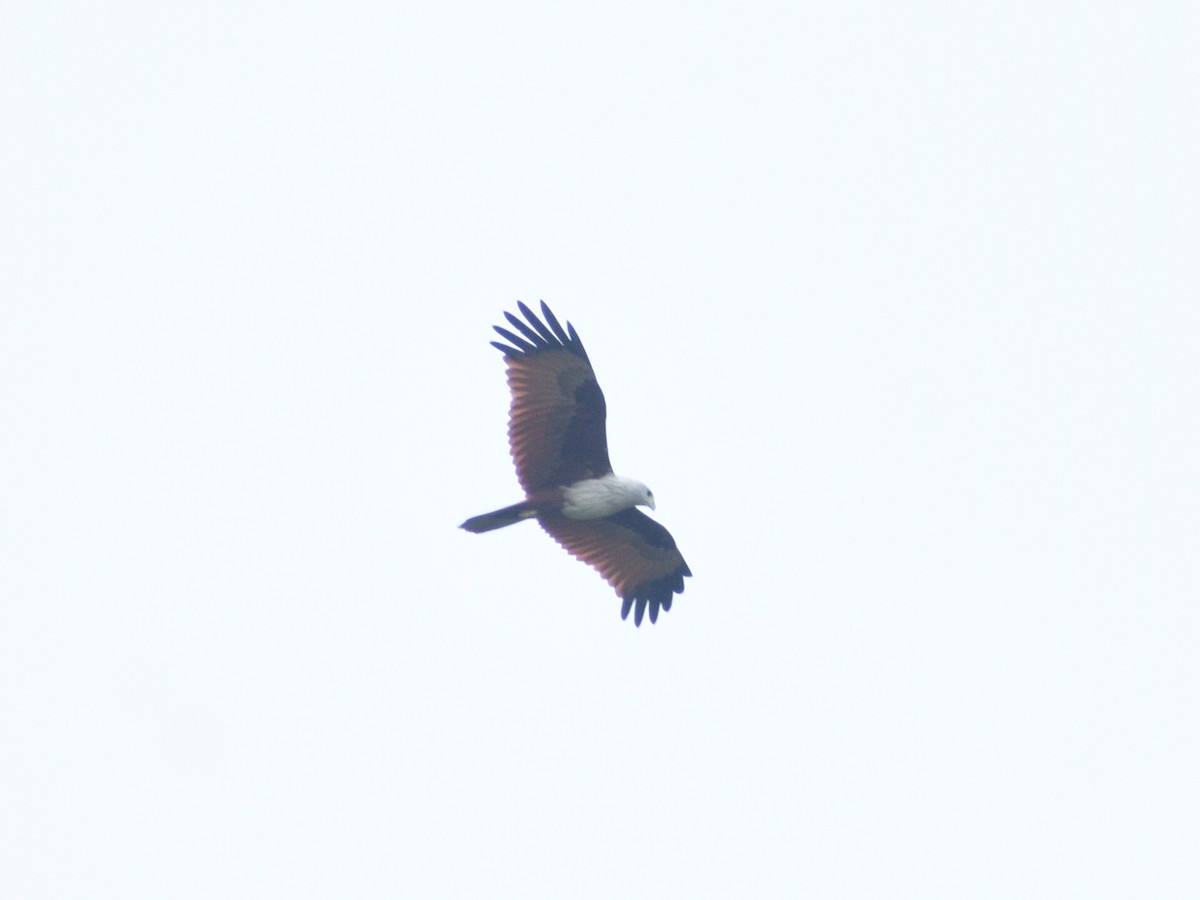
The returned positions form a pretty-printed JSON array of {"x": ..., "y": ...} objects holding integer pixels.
[
  {"x": 556, "y": 421},
  {"x": 633, "y": 553}
]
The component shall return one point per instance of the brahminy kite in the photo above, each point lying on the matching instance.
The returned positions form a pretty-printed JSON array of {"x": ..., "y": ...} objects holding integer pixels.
[{"x": 557, "y": 437}]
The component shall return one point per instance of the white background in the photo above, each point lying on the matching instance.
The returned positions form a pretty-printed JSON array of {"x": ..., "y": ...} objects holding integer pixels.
[{"x": 895, "y": 308}]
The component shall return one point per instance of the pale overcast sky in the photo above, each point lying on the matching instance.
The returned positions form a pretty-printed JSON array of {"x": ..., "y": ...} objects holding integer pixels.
[{"x": 895, "y": 308}]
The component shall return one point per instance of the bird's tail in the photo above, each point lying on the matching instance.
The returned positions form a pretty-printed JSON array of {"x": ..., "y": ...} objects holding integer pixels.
[{"x": 510, "y": 515}]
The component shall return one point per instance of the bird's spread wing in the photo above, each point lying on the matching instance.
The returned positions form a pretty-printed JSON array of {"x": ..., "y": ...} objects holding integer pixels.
[
  {"x": 635, "y": 554},
  {"x": 556, "y": 422}
]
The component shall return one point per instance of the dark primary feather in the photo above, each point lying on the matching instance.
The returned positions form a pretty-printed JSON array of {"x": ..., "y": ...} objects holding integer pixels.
[
  {"x": 537, "y": 339},
  {"x": 516, "y": 341},
  {"x": 558, "y": 329},
  {"x": 540, "y": 337}
]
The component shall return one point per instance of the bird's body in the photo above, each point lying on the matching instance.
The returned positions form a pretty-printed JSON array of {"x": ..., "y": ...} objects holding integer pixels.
[
  {"x": 595, "y": 498},
  {"x": 557, "y": 436}
]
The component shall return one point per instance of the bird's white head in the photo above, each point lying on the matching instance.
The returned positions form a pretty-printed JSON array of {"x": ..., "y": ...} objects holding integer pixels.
[{"x": 645, "y": 495}]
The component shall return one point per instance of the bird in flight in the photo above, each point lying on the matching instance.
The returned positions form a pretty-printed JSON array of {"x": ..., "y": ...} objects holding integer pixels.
[{"x": 558, "y": 442}]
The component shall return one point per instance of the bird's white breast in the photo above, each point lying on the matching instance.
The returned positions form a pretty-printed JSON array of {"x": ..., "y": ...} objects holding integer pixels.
[{"x": 596, "y": 498}]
